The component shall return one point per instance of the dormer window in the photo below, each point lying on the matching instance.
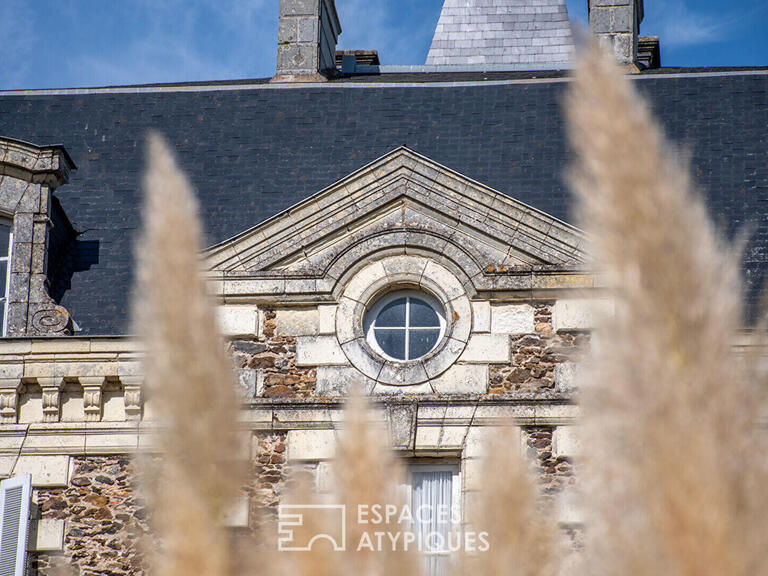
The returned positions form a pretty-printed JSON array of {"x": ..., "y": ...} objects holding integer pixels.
[
  {"x": 29, "y": 174},
  {"x": 6, "y": 246}
]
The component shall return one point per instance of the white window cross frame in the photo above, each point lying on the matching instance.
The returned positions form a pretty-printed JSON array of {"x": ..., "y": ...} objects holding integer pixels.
[{"x": 374, "y": 311}]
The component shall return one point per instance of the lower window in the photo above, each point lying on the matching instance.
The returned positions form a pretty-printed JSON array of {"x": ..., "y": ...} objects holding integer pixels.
[{"x": 435, "y": 499}]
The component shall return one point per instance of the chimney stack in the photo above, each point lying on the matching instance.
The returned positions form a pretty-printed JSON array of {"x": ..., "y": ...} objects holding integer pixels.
[
  {"x": 616, "y": 25},
  {"x": 306, "y": 40}
]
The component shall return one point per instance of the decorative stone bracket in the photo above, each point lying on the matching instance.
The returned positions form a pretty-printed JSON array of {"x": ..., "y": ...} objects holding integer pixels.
[
  {"x": 9, "y": 401},
  {"x": 132, "y": 396},
  {"x": 92, "y": 397},
  {"x": 12, "y": 390},
  {"x": 51, "y": 391}
]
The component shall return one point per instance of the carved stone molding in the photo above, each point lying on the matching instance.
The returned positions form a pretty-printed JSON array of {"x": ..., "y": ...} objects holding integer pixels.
[
  {"x": 49, "y": 165},
  {"x": 401, "y": 204},
  {"x": 399, "y": 272},
  {"x": 92, "y": 388},
  {"x": 51, "y": 321}
]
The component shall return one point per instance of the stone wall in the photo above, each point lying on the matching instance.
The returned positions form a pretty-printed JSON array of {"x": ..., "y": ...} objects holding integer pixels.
[
  {"x": 534, "y": 356},
  {"x": 105, "y": 521},
  {"x": 555, "y": 472},
  {"x": 557, "y": 476},
  {"x": 268, "y": 478},
  {"x": 520, "y": 345},
  {"x": 270, "y": 364},
  {"x": 107, "y": 524}
]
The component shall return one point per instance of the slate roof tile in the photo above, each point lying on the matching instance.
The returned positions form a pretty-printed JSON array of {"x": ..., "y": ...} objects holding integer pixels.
[{"x": 254, "y": 151}]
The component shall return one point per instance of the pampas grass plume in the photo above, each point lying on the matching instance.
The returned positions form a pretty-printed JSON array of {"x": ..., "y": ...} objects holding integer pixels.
[
  {"x": 674, "y": 486},
  {"x": 188, "y": 377},
  {"x": 522, "y": 535}
]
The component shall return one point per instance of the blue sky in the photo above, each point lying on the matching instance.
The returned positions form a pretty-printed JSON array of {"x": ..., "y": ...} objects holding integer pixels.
[{"x": 66, "y": 43}]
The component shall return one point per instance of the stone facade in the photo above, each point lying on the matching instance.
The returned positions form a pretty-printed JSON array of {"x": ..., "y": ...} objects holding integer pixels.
[
  {"x": 105, "y": 520},
  {"x": 517, "y": 303},
  {"x": 293, "y": 295}
]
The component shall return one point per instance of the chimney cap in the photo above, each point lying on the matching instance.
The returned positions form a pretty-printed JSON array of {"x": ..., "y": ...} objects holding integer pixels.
[
  {"x": 362, "y": 57},
  {"x": 648, "y": 52}
]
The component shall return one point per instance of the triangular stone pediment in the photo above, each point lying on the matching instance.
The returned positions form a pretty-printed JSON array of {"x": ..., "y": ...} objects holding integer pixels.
[{"x": 401, "y": 199}]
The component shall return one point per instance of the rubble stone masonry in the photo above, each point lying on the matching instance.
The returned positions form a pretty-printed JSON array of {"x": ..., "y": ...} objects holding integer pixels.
[
  {"x": 275, "y": 357},
  {"x": 534, "y": 356},
  {"x": 105, "y": 521}
]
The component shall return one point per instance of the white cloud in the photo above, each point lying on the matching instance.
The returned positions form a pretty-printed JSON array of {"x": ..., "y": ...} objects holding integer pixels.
[{"x": 147, "y": 41}]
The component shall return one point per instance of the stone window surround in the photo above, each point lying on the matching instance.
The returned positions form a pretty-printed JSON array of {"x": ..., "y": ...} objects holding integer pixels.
[
  {"x": 28, "y": 176},
  {"x": 398, "y": 273}
]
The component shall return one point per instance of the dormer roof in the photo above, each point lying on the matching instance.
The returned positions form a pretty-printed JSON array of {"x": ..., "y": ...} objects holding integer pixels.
[{"x": 517, "y": 34}]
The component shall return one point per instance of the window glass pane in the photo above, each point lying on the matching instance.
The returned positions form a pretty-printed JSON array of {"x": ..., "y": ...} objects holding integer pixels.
[
  {"x": 422, "y": 314},
  {"x": 393, "y": 314},
  {"x": 392, "y": 342},
  {"x": 3, "y": 273},
  {"x": 5, "y": 234},
  {"x": 421, "y": 341}
]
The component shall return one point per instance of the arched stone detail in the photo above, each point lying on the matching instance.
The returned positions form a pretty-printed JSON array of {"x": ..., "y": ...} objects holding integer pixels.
[
  {"x": 394, "y": 273},
  {"x": 415, "y": 242}
]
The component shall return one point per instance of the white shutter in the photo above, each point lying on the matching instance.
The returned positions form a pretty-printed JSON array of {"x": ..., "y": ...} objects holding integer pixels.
[{"x": 15, "y": 499}]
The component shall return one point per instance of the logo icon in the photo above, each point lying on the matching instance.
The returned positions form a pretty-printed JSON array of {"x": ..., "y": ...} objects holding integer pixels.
[{"x": 297, "y": 526}]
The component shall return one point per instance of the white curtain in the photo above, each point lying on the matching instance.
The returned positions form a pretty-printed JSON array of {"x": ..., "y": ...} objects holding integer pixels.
[{"x": 431, "y": 507}]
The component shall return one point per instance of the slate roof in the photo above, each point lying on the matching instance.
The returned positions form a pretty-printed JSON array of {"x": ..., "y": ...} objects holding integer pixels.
[
  {"x": 512, "y": 32},
  {"x": 252, "y": 150}
]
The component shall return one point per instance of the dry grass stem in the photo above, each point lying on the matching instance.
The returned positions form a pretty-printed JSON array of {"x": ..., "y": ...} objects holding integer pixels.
[
  {"x": 188, "y": 376},
  {"x": 522, "y": 537},
  {"x": 674, "y": 486},
  {"x": 365, "y": 472}
]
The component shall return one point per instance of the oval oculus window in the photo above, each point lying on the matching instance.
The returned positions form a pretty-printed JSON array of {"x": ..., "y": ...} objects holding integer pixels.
[{"x": 404, "y": 325}]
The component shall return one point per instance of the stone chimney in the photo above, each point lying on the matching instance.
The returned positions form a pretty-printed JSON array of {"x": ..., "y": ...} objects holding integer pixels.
[
  {"x": 616, "y": 25},
  {"x": 306, "y": 40}
]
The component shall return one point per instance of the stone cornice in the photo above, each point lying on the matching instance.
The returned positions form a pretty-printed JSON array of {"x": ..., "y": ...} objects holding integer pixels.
[
  {"x": 50, "y": 165},
  {"x": 422, "y": 414},
  {"x": 104, "y": 375}
]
